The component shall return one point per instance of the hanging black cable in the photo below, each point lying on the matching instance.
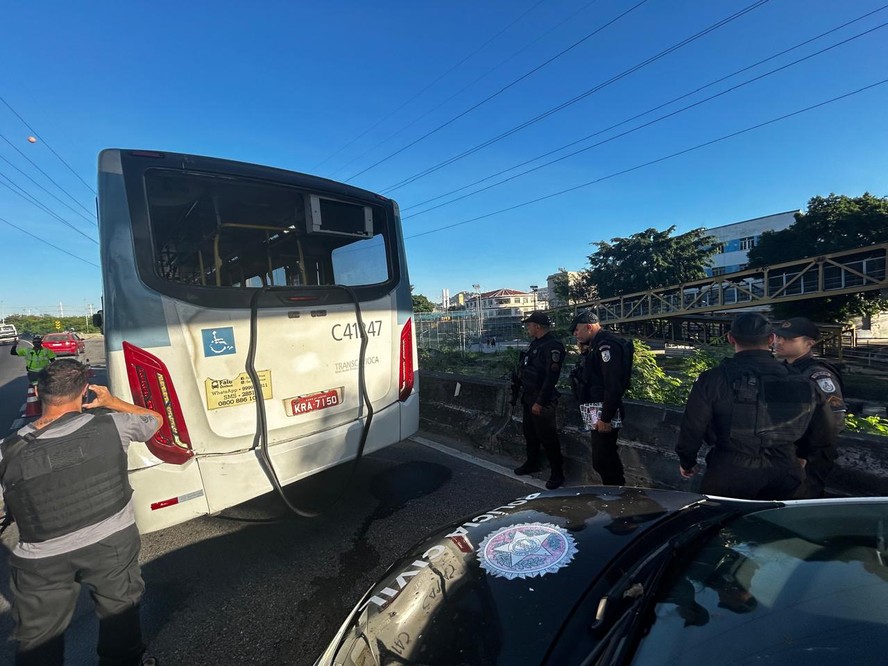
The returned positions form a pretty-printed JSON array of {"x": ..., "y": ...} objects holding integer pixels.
[{"x": 260, "y": 441}]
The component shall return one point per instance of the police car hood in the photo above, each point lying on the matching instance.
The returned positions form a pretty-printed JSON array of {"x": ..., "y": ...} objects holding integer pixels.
[{"x": 497, "y": 587}]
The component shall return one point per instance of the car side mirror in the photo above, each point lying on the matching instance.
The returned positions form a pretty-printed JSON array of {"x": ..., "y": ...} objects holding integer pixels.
[{"x": 97, "y": 320}]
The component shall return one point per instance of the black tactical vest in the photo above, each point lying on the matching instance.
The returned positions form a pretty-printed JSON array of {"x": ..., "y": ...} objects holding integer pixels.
[
  {"x": 772, "y": 406},
  {"x": 57, "y": 485}
]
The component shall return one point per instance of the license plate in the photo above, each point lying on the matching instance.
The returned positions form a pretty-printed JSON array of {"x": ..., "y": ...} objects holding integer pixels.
[{"x": 304, "y": 404}]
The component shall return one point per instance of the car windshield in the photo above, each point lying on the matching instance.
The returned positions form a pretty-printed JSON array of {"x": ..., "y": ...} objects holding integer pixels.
[{"x": 802, "y": 584}]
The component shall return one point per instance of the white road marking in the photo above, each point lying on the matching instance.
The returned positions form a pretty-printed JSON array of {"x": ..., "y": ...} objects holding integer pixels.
[{"x": 493, "y": 467}]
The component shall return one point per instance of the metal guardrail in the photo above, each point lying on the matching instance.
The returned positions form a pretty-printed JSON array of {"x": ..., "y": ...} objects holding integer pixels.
[
  {"x": 846, "y": 272},
  {"x": 874, "y": 358}
]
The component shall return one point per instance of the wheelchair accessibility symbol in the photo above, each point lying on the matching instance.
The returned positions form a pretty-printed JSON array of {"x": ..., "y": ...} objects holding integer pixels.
[{"x": 218, "y": 341}]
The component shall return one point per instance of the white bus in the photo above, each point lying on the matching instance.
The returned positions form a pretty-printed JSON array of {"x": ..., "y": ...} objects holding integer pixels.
[{"x": 224, "y": 281}]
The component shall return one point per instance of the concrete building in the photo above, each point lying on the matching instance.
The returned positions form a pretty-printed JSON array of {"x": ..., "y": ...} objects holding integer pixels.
[
  {"x": 736, "y": 239},
  {"x": 554, "y": 282}
]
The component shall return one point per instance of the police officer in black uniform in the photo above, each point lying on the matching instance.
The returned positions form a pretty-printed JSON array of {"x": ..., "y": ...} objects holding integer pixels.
[
  {"x": 603, "y": 383},
  {"x": 817, "y": 449},
  {"x": 539, "y": 372},
  {"x": 751, "y": 410},
  {"x": 65, "y": 482}
]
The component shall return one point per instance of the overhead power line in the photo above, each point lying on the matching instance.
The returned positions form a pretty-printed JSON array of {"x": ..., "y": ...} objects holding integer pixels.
[
  {"x": 502, "y": 90},
  {"x": 15, "y": 189},
  {"x": 427, "y": 87},
  {"x": 49, "y": 147},
  {"x": 652, "y": 162},
  {"x": 46, "y": 242},
  {"x": 647, "y": 124},
  {"x": 48, "y": 177},
  {"x": 571, "y": 102},
  {"x": 76, "y": 212},
  {"x": 466, "y": 87}
]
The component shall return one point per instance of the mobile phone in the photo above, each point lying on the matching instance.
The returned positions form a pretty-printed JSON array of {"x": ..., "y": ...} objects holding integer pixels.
[{"x": 89, "y": 396}]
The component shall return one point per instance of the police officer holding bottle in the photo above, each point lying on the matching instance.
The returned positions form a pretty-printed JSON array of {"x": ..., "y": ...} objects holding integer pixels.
[{"x": 539, "y": 372}]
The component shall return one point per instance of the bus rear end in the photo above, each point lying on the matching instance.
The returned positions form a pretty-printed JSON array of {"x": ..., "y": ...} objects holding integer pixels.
[{"x": 218, "y": 273}]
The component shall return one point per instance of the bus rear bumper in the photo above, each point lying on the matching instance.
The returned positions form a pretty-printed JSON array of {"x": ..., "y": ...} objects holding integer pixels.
[
  {"x": 166, "y": 495},
  {"x": 237, "y": 477}
]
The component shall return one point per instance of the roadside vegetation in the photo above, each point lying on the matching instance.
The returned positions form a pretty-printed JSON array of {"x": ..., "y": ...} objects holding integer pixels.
[
  {"x": 27, "y": 325},
  {"x": 656, "y": 378}
]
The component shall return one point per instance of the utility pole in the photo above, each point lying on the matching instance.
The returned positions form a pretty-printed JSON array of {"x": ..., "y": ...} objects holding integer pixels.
[
  {"x": 477, "y": 288},
  {"x": 61, "y": 309}
]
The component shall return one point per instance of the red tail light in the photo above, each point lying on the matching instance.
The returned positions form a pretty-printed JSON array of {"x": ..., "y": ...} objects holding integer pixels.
[
  {"x": 152, "y": 387},
  {"x": 405, "y": 371}
]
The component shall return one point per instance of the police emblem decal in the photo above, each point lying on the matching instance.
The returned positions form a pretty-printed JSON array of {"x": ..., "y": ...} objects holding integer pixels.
[
  {"x": 526, "y": 550},
  {"x": 606, "y": 355},
  {"x": 826, "y": 385}
]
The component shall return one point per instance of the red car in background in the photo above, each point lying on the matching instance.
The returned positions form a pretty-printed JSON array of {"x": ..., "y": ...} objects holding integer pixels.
[{"x": 64, "y": 344}]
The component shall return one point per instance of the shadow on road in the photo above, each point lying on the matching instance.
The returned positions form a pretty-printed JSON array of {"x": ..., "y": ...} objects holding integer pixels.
[{"x": 258, "y": 585}]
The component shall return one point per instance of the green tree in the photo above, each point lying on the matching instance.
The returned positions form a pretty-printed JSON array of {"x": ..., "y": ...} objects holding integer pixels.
[
  {"x": 422, "y": 304},
  {"x": 649, "y": 381},
  {"x": 647, "y": 260},
  {"x": 831, "y": 224}
]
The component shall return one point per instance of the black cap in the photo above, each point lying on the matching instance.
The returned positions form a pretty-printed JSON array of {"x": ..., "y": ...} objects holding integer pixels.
[
  {"x": 751, "y": 325},
  {"x": 583, "y": 317},
  {"x": 797, "y": 326},
  {"x": 36, "y": 340},
  {"x": 537, "y": 317}
]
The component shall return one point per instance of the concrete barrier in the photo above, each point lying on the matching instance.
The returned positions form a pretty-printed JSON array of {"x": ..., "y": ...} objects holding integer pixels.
[{"x": 477, "y": 411}]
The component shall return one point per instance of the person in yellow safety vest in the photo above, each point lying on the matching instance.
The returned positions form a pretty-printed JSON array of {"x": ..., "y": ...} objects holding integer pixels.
[{"x": 36, "y": 357}]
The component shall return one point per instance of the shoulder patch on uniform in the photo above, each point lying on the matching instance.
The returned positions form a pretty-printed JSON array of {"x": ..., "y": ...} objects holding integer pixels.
[
  {"x": 826, "y": 385},
  {"x": 605, "y": 355},
  {"x": 556, "y": 356}
]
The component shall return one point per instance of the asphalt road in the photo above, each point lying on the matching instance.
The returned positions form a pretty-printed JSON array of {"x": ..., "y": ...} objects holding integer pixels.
[
  {"x": 258, "y": 585},
  {"x": 13, "y": 387}
]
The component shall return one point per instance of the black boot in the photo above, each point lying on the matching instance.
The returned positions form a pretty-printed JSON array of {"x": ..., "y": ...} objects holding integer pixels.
[
  {"x": 556, "y": 480},
  {"x": 527, "y": 468}
]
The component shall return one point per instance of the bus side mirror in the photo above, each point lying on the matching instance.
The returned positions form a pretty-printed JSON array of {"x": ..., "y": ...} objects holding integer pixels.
[{"x": 97, "y": 320}]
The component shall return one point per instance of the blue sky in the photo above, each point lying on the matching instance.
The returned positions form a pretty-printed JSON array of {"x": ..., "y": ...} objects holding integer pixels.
[{"x": 336, "y": 88}]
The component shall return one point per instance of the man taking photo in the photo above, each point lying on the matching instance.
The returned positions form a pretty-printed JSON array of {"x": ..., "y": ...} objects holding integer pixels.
[{"x": 64, "y": 479}]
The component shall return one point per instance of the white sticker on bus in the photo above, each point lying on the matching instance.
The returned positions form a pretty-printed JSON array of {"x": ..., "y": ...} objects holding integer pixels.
[{"x": 223, "y": 393}]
